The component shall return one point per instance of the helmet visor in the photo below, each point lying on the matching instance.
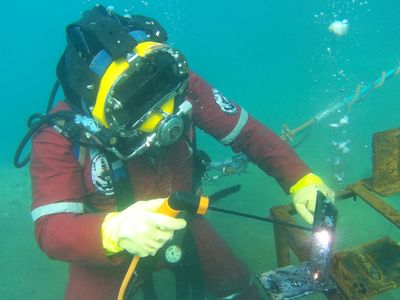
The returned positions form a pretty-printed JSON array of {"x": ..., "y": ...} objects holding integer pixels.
[{"x": 147, "y": 83}]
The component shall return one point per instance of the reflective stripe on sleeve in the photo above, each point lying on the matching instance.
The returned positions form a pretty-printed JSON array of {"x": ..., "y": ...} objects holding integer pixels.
[
  {"x": 56, "y": 208},
  {"x": 238, "y": 128}
]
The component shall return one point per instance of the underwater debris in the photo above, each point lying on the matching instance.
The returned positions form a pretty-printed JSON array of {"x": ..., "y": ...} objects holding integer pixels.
[
  {"x": 341, "y": 146},
  {"x": 339, "y": 28},
  {"x": 110, "y": 9},
  {"x": 337, "y": 161},
  {"x": 339, "y": 177},
  {"x": 342, "y": 122}
]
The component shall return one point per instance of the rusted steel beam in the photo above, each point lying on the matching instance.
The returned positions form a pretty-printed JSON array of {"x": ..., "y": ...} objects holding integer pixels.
[
  {"x": 286, "y": 237},
  {"x": 378, "y": 204},
  {"x": 386, "y": 162},
  {"x": 281, "y": 246},
  {"x": 343, "y": 194},
  {"x": 280, "y": 233}
]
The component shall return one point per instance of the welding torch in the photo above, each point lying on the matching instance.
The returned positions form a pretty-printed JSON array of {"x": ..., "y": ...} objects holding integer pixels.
[{"x": 182, "y": 201}]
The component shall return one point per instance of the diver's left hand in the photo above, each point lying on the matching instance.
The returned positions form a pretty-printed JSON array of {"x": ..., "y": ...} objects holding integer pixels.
[{"x": 304, "y": 194}]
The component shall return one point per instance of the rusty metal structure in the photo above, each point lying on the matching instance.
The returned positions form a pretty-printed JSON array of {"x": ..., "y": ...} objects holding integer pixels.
[
  {"x": 368, "y": 269},
  {"x": 386, "y": 162}
]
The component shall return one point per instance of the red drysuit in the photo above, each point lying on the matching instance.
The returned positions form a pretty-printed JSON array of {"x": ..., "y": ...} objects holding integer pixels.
[{"x": 58, "y": 177}]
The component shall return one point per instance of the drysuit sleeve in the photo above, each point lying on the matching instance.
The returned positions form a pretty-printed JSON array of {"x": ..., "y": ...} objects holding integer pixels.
[
  {"x": 230, "y": 124},
  {"x": 57, "y": 183}
]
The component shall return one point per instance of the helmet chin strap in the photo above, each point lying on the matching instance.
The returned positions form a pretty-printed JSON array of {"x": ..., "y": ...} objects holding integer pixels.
[{"x": 168, "y": 131}]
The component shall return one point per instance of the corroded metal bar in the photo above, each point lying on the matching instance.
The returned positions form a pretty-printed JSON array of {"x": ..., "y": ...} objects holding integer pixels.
[
  {"x": 377, "y": 203},
  {"x": 286, "y": 237},
  {"x": 386, "y": 162},
  {"x": 280, "y": 235}
]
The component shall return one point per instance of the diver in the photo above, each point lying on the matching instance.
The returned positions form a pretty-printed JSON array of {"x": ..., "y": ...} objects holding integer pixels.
[{"x": 121, "y": 141}]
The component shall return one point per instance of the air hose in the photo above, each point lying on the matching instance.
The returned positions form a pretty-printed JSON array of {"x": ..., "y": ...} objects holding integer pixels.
[
  {"x": 361, "y": 92},
  {"x": 35, "y": 122}
]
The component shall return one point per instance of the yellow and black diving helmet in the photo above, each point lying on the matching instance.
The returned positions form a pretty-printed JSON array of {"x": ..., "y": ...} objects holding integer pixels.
[{"x": 120, "y": 71}]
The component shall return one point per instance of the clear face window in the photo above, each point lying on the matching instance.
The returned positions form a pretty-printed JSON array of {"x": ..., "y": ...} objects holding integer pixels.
[{"x": 143, "y": 87}]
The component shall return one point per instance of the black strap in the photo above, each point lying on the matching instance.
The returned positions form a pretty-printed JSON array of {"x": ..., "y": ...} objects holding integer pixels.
[
  {"x": 80, "y": 77},
  {"x": 122, "y": 185},
  {"x": 106, "y": 29},
  {"x": 200, "y": 158},
  {"x": 189, "y": 276}
]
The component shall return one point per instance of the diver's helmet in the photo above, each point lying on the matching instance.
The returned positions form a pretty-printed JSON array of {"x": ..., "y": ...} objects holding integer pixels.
[{"x": 119, "y": 70}]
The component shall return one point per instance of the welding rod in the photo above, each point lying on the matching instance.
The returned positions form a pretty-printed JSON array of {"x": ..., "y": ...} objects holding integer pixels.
[{"x": 265, "y": 219}]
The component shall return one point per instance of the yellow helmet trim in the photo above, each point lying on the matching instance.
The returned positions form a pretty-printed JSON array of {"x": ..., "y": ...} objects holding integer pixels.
[
  {"x": 142, "y": 49},
  {"x": 113, "y": 72},
  {"x": 152, "y": 121},
  {"x": 116, "y": 69}
]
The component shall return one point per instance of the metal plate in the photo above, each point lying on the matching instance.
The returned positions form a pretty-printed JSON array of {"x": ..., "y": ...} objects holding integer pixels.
[
  {"x": 367, "y": 270},
  {"x": 292, "y": 282}
]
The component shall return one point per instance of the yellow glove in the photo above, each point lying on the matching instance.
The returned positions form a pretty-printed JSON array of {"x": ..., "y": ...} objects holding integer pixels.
[
  {"x": 139, "y": 229},
  {"x": 304, "y": 194}
]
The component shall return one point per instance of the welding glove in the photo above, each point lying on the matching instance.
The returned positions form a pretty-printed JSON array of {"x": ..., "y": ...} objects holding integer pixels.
[
  {"x": 304, "y": 195},
  {"x": 138, "y": 229}
]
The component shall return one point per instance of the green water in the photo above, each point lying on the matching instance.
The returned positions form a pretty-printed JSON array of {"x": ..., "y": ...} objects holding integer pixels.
[{"x": 276, "y": 58}]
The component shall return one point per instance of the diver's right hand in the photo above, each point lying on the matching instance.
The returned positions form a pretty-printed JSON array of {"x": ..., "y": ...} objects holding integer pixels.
[{"x": 139, "y": 229}]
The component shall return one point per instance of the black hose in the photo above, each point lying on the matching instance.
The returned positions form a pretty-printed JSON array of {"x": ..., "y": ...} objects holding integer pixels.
[
  {"x": 224, "y": 193},
  {"x": 33, "y": 127},
  {"x": 52, "y": 96},
  {"x": 34, "y": 123}
]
